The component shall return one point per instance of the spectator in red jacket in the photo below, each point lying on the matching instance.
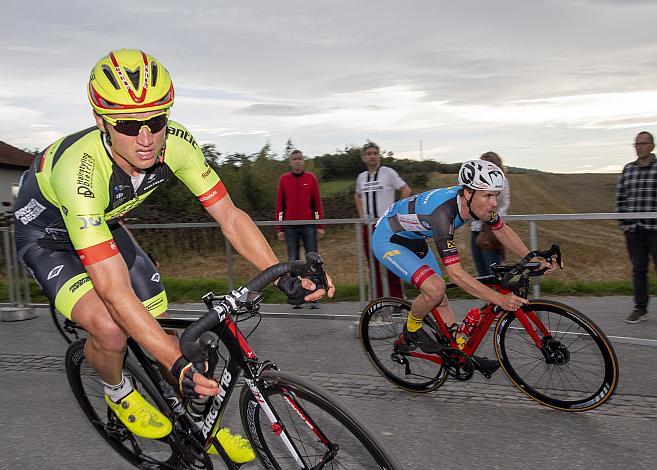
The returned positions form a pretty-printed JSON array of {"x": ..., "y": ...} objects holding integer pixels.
[{"x": 298, "y": 199}]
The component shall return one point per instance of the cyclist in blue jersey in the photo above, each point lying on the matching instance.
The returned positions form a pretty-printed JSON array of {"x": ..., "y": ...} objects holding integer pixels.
[{"x": 399, "y": 243}]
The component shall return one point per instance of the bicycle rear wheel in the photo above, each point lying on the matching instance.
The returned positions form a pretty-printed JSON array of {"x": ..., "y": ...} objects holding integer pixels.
[
  {"x": 144, "y": 453},
  {"x": 324, "y": 432},
  {"x": 575, "y": 370},
  {"x": 381, "y": 325}
]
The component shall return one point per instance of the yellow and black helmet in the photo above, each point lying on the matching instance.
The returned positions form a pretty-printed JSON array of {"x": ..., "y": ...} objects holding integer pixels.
[{"x": 129, "y": 81}]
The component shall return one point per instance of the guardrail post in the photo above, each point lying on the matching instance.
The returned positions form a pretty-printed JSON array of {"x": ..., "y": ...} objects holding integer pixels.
[
  {"x": 373, "y": 284},
  {"x": 533, "y": 245},
  {"x": 229, "y": 264},
  {"x": 361, "y": 270},
  {"x": 6, "y": 241}
]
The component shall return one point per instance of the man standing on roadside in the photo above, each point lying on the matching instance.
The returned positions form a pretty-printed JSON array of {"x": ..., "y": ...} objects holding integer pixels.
[
  {"x": 298, "y": 199},
  {"x": 637, "y": 192},
  {"x": 376, "y": 189}
]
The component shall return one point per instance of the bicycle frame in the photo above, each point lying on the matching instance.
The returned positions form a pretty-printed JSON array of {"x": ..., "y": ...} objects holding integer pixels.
[
  {"x": 490, "y": 313},
  {"x": 242, "y": 359}
]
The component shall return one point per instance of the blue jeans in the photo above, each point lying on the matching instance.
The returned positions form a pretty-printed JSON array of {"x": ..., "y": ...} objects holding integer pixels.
[
  {"x": 294, "y": 234},
  {"x": 483, "y": 258}
]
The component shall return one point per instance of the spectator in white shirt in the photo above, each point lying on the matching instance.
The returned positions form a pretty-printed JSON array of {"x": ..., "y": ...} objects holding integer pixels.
[{"x": 376, "y": 190}]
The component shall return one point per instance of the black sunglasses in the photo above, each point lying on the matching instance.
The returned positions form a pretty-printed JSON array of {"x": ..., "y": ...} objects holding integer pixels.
[{"x": 132, "y": 127}]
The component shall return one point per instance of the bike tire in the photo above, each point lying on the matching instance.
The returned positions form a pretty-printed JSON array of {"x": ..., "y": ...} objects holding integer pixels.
[
  {"x": 381, "y": 324},
  {"x": 587, "y": 367},
  {"x": 296, "y": 403},
  {"x": 140, "y": 452}
]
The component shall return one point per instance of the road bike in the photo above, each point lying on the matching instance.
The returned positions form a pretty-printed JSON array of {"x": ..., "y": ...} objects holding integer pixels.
[
  {"x": 553, "y": 353},
  {"x": 291, "y": 422}
]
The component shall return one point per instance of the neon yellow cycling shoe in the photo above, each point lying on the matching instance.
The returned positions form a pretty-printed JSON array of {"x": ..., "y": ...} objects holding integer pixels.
[
  {"x": 140, "y": 417},
  {"x": 238, "y": 448}
]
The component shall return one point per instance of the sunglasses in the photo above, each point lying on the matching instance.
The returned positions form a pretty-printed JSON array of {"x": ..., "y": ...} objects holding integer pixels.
[{"x": 131, "y": 127}]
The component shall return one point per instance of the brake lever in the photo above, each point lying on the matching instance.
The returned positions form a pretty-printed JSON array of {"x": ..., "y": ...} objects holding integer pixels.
[
  {"x": 315, "y": 267},
  {"x": 208, "y": 341}
]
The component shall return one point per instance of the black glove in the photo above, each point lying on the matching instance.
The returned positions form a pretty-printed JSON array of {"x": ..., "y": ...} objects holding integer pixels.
[
  {"x": 183, "y": 371},
  {"x": 291, "y": 286}
]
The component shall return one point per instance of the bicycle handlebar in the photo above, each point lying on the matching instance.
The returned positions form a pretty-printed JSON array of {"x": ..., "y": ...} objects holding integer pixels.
[
  {"x": 195, "y": 352},
  {"x": 526, "y": 264}
]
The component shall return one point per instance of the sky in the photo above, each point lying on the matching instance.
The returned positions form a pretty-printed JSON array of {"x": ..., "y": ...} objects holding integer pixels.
[{"x": 556, "y": 85}]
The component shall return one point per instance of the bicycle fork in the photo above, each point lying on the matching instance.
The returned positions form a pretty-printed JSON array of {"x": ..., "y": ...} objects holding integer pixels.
[
  {"x": 528, "y": 320},
  {"x": 279, "y": 429}
]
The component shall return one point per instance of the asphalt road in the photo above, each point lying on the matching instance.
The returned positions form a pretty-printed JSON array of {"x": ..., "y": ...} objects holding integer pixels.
[{"x": 484, "y": 424}]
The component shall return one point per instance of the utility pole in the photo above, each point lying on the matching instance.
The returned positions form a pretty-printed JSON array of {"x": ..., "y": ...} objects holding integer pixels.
[{"x": 421, "y": 151}]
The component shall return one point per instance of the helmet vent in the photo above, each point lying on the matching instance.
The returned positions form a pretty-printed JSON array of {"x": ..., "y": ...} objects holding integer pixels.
[
  {"x": 133, "y": 75},
  {"x": 153, "y": 74},
  {"x": 108, "y": 73}
]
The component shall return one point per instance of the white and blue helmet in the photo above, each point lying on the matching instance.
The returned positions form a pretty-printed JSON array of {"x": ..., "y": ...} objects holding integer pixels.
[{"x": 481, "y": 175}]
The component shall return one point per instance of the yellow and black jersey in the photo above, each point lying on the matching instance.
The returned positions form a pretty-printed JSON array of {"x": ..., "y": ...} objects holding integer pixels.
[{"x": 74, "y": 191}]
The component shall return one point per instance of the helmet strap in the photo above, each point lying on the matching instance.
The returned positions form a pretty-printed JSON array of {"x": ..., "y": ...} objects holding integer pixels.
[
  {"x": 108, "y": 139},
  {"x": 468, "y": 202}
]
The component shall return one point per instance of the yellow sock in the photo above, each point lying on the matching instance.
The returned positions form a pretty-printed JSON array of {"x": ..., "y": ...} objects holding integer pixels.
[{"x": 413, "y": 324}]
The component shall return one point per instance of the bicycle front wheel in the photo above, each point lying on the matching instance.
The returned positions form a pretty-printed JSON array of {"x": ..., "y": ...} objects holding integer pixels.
[
  {"x": 576, "y": 368},
  {"x": 323, "y": 431},
  {"x": 381, "y": 325},
  {"x": 166, "y": 453}
]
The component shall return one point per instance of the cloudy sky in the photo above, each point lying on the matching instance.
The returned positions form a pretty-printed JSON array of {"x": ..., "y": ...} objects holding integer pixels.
[{"x": 560, "y": 85}]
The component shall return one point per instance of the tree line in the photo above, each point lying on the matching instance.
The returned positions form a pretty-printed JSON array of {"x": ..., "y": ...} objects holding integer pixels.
[{"x": 252, "y": 180}]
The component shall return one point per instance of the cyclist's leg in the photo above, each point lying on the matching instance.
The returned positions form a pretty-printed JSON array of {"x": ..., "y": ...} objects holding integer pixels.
[
  {"x": 144, "y": 276},
  {"x": 424, "y": 273},
  {"x": 407, "y": 265},
  {"x": 432, "y": 294},
  {"x": 66, "y": 284},
  {"x": 64, "y": 280}
]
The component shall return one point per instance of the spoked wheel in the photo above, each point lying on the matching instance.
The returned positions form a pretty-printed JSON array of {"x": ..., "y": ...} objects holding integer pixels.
[
  {"x": 66, "y": 327},
  {"x": 381, "y": 325},
  {"x": 174, "y": 451},
  {"x": 575, "y": 370},
  {"x": 324, "y": 433}
]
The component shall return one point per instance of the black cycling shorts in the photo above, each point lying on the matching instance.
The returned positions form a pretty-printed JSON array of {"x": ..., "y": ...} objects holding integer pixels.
[{"x": 55, "y": 265}]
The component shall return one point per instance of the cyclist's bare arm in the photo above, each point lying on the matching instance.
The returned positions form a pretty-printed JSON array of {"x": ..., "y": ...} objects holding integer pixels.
[
  {"x": 465, "y": 281},
  {"x": 112, "y": 283},
  {"x": 242, "y": 233},
  {"x": 247, "y": 239},
  {"x": 513, "y": 242}
]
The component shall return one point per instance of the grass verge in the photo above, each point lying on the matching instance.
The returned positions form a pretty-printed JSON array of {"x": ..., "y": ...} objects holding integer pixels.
[{"x": 191, "y": 290}]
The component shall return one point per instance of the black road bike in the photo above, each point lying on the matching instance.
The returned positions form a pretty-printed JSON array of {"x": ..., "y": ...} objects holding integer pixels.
[{"x": 290, "y": 422}]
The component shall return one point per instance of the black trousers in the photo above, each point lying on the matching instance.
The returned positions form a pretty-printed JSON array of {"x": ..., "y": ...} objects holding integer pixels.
[
  {"x": 641, "y": 244},
  {"x": 296, "y": 233}
]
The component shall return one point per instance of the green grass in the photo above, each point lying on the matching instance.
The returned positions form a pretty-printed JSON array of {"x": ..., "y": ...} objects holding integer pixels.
[
  {"x": 191, "y": 290},
  {"x": 328, "y": 188},
  {"x": 36, "y": 296}
]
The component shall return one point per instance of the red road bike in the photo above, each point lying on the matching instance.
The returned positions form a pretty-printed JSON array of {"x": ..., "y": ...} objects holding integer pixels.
[{"x": 550, "y": 351}]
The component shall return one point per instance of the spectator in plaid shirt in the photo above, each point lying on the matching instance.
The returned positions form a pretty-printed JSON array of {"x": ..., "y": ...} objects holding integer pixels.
[{"x": 637, "y": 192}]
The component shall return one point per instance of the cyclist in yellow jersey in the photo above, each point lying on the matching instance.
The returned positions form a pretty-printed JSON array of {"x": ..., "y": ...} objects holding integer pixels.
[{"x": 69, "y": 233}]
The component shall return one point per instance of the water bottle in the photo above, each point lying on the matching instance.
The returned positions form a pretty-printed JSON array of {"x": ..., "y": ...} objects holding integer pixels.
[{"x": 470, "y": 322}]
